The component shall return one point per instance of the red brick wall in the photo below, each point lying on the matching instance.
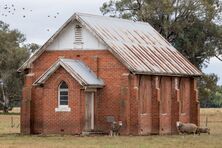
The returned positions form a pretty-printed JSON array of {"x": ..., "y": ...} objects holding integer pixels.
[
  {"x": 26, "y": 105},
  {"x": 185, "y": 97},
  {"x": 59, "y": 122},
  {"x": 166, "y": 104},
  {"x": 175, "y": 104},
  {"x": 122, "y": 97},
  {"x": 155, "y": 105},
  {"x": 194, "y": 104},
  {"x": 107, "y": 100},
  {"x": 37, "y": 109},
  {"x": 134, "y": 105},
  {"x": 145, "y": 100}
]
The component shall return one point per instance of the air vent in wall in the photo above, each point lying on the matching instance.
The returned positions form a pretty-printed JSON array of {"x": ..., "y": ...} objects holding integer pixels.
[{"x": 78, "y": 34}]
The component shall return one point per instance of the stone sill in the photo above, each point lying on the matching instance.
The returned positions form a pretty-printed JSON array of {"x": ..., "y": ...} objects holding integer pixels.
[{"x": 63, "y": 109}]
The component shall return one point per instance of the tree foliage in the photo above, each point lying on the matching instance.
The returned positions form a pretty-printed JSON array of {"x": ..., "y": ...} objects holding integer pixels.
[
  {"x": 217, "y": 101},
  {"x": 32, "y": 47},
  {"x": 12, "y": 55},
  {"x": 192, "y": 26},
  {"x": 210, "y": 92}
]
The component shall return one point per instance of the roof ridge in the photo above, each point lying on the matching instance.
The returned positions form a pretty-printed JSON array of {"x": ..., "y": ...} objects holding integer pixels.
[
  {"x": 108, "y": 17},
  {"x": 158, "y": 56}
]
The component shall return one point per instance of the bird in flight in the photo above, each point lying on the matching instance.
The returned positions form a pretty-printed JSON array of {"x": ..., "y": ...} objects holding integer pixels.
[{"x": 12, "y": 10}]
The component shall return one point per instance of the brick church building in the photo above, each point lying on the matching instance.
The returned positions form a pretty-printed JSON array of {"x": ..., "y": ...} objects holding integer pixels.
[{"x": 96, "y": 69}]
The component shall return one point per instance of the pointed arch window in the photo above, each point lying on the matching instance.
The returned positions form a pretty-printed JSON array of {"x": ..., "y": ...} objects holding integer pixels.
[
  {"x": 63, "y": 94},
  {"x": 63, "y": 97}
]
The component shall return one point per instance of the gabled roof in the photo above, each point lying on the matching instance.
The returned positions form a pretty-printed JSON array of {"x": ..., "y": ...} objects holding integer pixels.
[
  {"x": 136, "y": 44},
  {"x": 77, "y": 69}
]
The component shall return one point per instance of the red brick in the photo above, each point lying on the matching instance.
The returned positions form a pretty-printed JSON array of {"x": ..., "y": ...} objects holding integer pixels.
[{"x": 121, "y": 97}]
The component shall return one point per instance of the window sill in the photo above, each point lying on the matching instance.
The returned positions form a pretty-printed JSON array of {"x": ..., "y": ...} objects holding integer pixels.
[{"x": 62, "y": 109}]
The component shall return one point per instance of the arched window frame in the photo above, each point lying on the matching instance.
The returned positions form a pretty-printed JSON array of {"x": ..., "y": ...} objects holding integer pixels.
[{"x": 63, "y": 107}]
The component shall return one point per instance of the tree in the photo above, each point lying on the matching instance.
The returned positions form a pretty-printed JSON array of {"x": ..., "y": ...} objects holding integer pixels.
[
  {"x": 210, "y": 92},
  {"x": 217, "y": 101},
  {"x": 32, "y": 47},
  {"x": 207, "y": 89},
  {"x": 192, "y": 26},
  {"x": 12, "y": 56}
]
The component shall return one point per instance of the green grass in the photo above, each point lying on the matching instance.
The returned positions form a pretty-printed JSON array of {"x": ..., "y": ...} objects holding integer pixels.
[{"x": 9, "y": 138}]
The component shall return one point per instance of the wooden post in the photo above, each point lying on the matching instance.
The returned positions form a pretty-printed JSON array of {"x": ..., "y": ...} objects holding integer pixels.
[{"x": 12, "y": 123}]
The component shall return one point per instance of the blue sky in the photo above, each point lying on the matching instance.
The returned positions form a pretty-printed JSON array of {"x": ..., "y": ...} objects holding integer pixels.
[
  {"x": 36, "y": 19},
  {"x": 215, "y": 66}
]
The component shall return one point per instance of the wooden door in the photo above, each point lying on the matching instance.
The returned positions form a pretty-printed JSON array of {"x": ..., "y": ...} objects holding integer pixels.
[{"x": 89, "y": 111}]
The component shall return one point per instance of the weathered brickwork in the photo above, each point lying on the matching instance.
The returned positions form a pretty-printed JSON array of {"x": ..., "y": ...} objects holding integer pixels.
[
  {"x": 166, "y": 104},
  {"x": 145, "y": 104}
]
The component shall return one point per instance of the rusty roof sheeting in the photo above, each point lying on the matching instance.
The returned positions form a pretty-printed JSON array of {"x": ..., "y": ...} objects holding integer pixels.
[
  {"x": 136, "y": 44},
  {"x": 139, "y": 46}
]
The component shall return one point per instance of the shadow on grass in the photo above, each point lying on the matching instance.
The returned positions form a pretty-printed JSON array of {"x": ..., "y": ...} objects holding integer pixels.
[
  {"x": 10, "y": 134},
  {"x": 1, "y": 113},
  {"x": 41, "y": 135}
]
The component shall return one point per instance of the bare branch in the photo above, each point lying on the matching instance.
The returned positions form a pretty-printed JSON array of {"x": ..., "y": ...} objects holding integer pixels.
[{"x": 218, "y": 58}]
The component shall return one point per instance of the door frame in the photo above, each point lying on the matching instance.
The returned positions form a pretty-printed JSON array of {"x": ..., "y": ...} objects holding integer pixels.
[{"x": 92, "y": 111}]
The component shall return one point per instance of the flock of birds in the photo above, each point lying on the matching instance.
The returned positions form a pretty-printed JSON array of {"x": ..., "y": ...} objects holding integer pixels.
[{"x": 10, "y": 9}]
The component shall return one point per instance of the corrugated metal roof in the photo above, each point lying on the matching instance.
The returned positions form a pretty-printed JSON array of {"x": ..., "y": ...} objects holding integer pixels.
[
  {"x": 139, "y": 46},
  {"x": 77, "y": 69},
  {"x": 136, "y": 44}
]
